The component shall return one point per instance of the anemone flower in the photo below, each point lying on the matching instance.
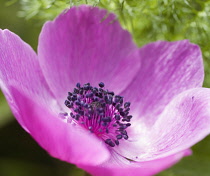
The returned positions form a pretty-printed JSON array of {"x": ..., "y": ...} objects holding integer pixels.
[{"x": 91, "y": 97}]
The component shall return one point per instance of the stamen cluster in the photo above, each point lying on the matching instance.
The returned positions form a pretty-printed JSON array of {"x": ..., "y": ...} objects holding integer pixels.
[{"x": 100, "y": 111}]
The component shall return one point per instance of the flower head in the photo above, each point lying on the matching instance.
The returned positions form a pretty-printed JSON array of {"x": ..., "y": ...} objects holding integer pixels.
[{"x": 91, "y": 97}]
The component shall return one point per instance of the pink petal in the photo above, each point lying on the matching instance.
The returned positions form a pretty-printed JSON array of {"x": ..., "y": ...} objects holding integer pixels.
[
  {"x": 183, "y": 123},
  {"x": 19, "y": 68},
  {"x": 30, "y": 99},
  {"x": 62, "y": 140},
  {"x": 119, "y": 166},
  {"x": 85, "y": 44},
  {"x": 167, "y": 68}
]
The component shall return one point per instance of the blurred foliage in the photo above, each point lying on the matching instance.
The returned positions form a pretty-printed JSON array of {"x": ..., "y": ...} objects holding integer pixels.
[
  {"x": 5, "y": 115},
  {"x": 147, "y": 20}
]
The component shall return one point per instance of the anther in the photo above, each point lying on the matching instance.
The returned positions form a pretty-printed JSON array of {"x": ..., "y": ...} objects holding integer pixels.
[
  {"x": 100, "y": 111},
  {"x": 78, "y": 85},
  {"x": 109, "y": 142},
  {"x": 127, "y": 104},
  {"x": 101, "y": 84}
]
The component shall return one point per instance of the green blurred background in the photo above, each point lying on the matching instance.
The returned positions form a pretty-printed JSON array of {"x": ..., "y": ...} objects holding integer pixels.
[{"x": 148, "y": 21}]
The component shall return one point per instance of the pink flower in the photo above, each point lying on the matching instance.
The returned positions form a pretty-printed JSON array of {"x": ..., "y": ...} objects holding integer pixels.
[{"x": 165, "y": 109}]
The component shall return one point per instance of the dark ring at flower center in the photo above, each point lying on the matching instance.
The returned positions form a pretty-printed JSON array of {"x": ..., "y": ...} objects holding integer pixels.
[{"x": 100, "y": 111}]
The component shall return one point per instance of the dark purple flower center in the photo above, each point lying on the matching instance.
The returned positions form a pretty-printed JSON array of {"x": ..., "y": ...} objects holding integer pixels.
[{"x": 100, "y": 111}]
